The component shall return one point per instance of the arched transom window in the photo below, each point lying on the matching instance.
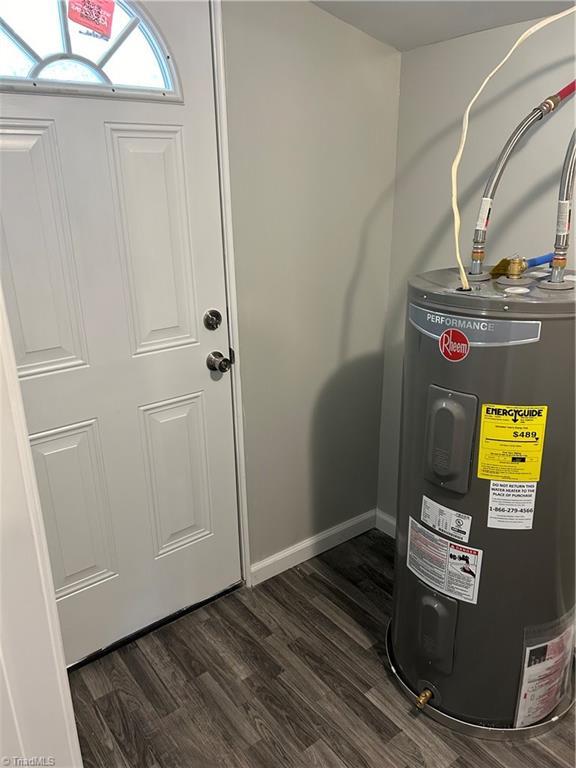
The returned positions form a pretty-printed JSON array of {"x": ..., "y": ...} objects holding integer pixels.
[{"x": 104, "y": 46}]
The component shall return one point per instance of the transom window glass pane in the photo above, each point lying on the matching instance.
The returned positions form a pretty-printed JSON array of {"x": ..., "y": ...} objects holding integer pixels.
[
  {"x": 135, "y": 63},
  {"x": 15, "y": 63},
  {"x": 85, "y": 42},
  {"x": 95, "y": 42},
  {"x": 68, "y": 70},
  {"x": 37, "y": 23}
]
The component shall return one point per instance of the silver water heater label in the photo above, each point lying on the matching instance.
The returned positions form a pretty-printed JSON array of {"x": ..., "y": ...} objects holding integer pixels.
[{"x": 480, "y": 331}]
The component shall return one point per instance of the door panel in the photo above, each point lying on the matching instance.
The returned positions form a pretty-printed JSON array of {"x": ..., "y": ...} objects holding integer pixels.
[
  {"x": 111, "y": 220},
  {"x": 45, "y": 314},
  {"x": 153, "y": 227},
  {"x": 176, "y": 466},
  {"x": 75, "y": 505}
]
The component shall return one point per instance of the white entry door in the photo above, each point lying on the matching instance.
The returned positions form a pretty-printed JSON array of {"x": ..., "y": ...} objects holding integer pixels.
[{"x": 111, "y": 248}]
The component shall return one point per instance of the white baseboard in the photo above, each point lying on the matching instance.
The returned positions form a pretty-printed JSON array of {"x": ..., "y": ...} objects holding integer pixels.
[
  {"x": 385, "y": 522},
  {"x": 315, "y": 545}
]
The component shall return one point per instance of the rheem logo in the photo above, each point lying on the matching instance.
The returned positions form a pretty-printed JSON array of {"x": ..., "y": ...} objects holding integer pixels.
[{"x": 454, "y": 345}]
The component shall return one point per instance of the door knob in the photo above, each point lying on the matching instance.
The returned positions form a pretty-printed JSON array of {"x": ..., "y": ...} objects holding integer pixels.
[
  {"x": 212, "y": 319},
  {"x": 217, "y": 362}
]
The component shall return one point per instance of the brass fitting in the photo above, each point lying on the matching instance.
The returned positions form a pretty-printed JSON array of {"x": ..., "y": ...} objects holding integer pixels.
[
  {"x": 478, "y": 255},
  {"x": 424, "y": 698},
  {"x": 550, "y": 104},
  {"x": 477, "y": 259},
  {"x": 516, "y": 267},
  {"x": 559, "y": 261}
]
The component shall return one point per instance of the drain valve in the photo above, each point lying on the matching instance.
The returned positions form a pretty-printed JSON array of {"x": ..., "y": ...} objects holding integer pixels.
[{"x": 424, "y": 698}]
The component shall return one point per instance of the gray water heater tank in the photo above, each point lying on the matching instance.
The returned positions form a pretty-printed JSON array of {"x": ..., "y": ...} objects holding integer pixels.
[{"x": 482, "y": 634}]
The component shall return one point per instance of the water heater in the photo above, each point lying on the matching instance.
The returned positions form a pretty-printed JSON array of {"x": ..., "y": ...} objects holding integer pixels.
[{"x": 482, "y": 633}]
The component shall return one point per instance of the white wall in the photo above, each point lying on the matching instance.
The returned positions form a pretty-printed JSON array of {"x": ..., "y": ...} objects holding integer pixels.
[
  {"x": 312, "y": 113},
  {"x": 437, "y": 81}
]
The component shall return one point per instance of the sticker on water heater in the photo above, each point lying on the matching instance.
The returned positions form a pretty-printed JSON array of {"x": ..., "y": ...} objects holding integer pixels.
[
  {"x": 511, "y": 442},
  {"x": 545, "y": 677},
  {"x": 446, "y": 520},
  {"x": 444, "y": 565},
  {"x": 511, "y": 505}
]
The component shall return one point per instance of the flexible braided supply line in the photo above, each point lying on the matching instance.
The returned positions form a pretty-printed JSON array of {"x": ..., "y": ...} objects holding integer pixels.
[{"x": 465, "y": 120}]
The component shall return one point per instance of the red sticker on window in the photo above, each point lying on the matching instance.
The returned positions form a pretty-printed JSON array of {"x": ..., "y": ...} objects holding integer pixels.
[
  {"x": 454, "y": 345},
  {"x": 93, "y": 14}
]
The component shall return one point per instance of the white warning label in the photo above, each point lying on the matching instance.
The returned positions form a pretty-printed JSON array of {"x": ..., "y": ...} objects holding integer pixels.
[
  {"x": 563, "y": 219},
  {"x": 446, "y": 520},
  {"x": 484, "y": 213},
  {"x": 545, "y": 677},
  {"x": 511, "y": 505},
  {"x": 444, "y": 565}
]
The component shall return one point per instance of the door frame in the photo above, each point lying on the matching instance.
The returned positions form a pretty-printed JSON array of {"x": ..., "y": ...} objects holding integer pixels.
[
  {"x": 51, "y": 732},
  {"x": 34, "y": 521},
  {"x": 220, "y": 105}
]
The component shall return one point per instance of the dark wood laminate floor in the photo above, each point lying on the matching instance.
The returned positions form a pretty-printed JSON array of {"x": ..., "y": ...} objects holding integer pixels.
[{"x": 290, "y": 674}]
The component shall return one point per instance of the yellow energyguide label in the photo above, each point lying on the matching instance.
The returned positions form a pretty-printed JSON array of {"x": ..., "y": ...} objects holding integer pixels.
[{"x": 511, "y": 442}]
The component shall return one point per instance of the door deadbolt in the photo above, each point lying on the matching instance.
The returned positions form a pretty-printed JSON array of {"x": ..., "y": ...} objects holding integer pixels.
[
  {"x": 217, "y": 362},
  {"x": 212, "y": 319}
]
